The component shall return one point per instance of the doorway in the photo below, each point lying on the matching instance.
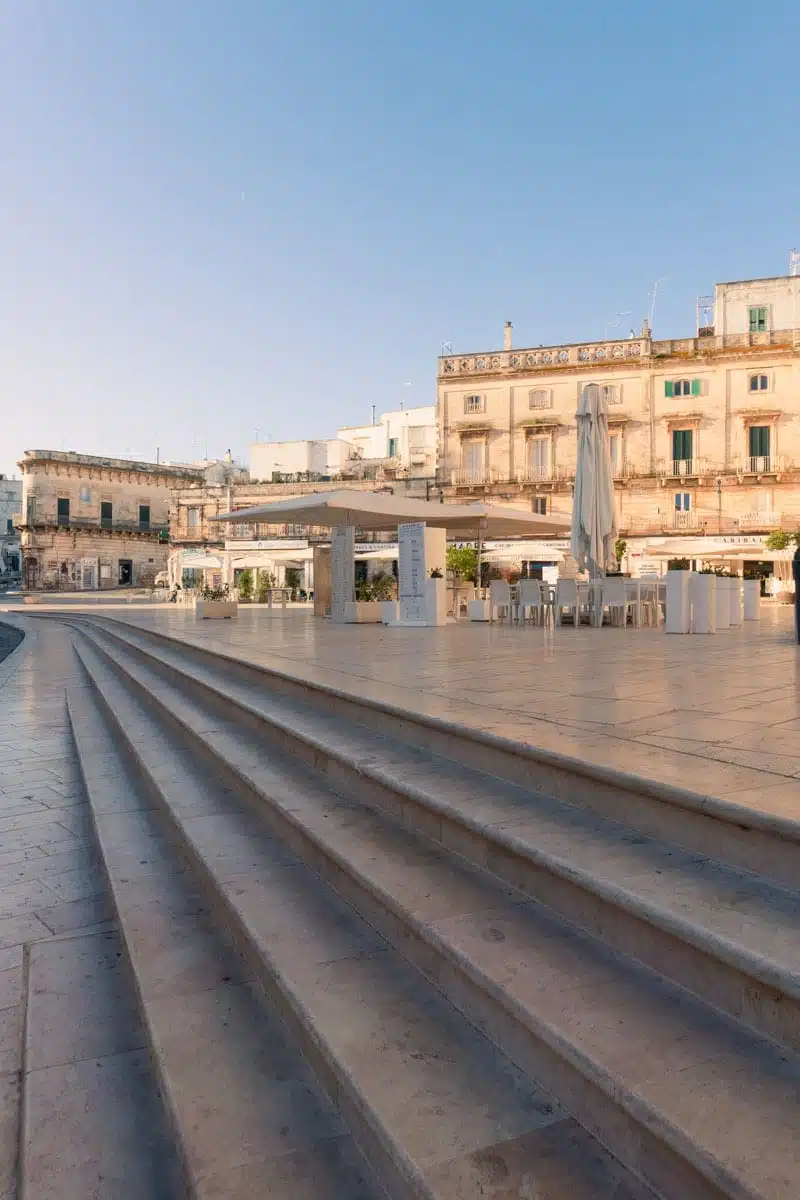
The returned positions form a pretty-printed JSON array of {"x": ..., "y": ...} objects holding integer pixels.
[{"x": 125, "y": 572}]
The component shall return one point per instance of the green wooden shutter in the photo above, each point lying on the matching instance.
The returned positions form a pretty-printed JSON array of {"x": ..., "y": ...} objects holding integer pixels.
[
  {"x": 696, "y": 387},
  {"x": 669, "y": 388}
]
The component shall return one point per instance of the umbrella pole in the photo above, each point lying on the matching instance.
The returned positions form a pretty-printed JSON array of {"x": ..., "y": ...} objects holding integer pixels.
[{"x": 478, "y": 553}]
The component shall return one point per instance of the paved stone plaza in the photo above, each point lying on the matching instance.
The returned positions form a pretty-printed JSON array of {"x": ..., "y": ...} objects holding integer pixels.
[{"x": 718, "y": 714}]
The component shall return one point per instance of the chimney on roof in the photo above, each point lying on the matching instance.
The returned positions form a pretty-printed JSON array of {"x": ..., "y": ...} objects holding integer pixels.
[{"x": 507, "y": 335}]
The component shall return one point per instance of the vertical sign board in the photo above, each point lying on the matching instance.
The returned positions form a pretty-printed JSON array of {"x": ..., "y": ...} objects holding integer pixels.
[
  {"x": 342, "y": 571},
  {"x": 411, "y": 566}
]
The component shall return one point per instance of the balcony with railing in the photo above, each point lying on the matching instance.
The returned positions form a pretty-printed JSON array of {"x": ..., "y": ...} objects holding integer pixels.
[
  {"x": 685, "y": 520},
  {"x": 474, "y": 477},
  {"x": 111, "y": 524},
  {"x": 536, "y": 474},
  {"x": 763, "y": 464}
]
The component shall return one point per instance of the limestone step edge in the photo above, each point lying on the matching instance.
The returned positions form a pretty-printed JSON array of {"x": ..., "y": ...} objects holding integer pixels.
[
  {"x": 402, "y": 1182},
  {"x": 190, "y": 1126},
  {"x": 691, "y": 819},
  {"x": 618, "y": 1116},
  {"x": 739, "y": 973}
]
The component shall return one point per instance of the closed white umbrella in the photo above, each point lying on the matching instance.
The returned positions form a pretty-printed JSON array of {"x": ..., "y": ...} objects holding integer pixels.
[{"x": 594, "y": 525}]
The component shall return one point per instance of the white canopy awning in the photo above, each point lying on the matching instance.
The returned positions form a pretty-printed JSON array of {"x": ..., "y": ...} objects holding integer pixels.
[{"x": 385, "y": 511}]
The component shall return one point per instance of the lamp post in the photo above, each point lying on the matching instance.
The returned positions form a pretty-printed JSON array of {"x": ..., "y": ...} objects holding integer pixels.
[{"x": 719, "y": 504}]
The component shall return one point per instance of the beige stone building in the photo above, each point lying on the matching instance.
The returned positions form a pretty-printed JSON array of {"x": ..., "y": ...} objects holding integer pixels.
[
  {"x": 88, "y": 522},
  {"x": 705, "y": 430}
]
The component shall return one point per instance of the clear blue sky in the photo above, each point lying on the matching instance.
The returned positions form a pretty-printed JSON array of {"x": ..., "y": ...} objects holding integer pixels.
[{"x": 218, "y": 216}]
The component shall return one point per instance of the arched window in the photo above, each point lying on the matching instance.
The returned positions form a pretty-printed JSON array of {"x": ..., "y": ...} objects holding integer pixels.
[{"x": 539, "y": 398}]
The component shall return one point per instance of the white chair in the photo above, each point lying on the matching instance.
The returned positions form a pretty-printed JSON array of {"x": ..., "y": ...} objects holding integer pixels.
[
  {"x": 617, "y": 601},
  {"x": 531, "y": 600},
  {"x": 499, "y": 598},
  {"x": 567, "y": 599}
]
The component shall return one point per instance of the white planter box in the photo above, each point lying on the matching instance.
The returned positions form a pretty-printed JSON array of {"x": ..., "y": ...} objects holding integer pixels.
[
  {"x": 752, "y": 599},
  {"x": 735, "y": 600},
  {"x": 205, "y": 609},
  {"x": 703, "y": 591},
  {"x": 363, "y": 612},
  {"x": 477, "y": 610},
  {"x": 723, "y": 603},
  {"x": 436, "y": 601},
  {"x": 678, "y": 617}
]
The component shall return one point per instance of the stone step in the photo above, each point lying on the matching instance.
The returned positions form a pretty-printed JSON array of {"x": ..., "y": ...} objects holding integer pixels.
[
  {"x": 435, "y": 1107},
  {"x": 247, "y": 1116},
  {"x": 755, "y": 840},
  {"x": 655, "y": 1074},
  {"x": 729, "y": 936}
]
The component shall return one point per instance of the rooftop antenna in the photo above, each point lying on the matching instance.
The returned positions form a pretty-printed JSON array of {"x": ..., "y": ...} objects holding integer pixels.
[
  {"x": 705, "y": 316},
  {"x": 652, "y": 297},
  {"x": 447, "y": 348},
  {"x": 615, "y": 323}
]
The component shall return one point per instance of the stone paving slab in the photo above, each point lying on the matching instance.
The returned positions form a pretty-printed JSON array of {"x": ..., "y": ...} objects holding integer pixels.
[{"x": 716, "y": 714}]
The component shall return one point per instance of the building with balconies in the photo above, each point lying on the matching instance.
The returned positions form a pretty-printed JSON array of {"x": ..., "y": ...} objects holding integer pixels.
[
  {"x": 10, "y": 504},
  {"x": 88, "y": 522},
  {"x": 704, "y": 431}
]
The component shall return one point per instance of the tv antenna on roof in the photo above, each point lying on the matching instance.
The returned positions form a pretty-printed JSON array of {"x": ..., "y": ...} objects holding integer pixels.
[
  {"x": 652, "y": 295},
  {"x": 447, "y": 348},
  {"x": 615, "y": 323}
]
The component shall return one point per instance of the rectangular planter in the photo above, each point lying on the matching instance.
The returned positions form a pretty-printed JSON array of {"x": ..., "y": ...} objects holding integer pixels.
[
  {"x": 477, "y": 610},
  {"x": 723, "y": 603},
  {"x": 678, "y": 611},
  {"x": 752, "y": 599},
  {"x": 703, "y": 592},
  {"x": 436, "y": 601},
  {"x": 735, "y": 600},
  {"x": 219, "y": 609},
  {"x": 363, "y": 612}
]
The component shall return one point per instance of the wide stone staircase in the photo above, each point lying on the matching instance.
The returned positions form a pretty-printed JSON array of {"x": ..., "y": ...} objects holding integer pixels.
[{"x": 376, "y": 954}]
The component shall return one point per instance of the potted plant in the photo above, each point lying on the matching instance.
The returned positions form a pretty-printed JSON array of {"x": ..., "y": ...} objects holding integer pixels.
[
  {"x": 265, "y": 584},
  {"x": 778, "y": 541},
  {"x": 704, "y": 593},
  {"x": 365, "y": 609},
  {"x": 679, "y": 613},
  {"x": 245, "y": 587},
  {"x": 722, "y": 594},
  {"x": 215, "y": 603},
  {"x": 751, "y": 595}
]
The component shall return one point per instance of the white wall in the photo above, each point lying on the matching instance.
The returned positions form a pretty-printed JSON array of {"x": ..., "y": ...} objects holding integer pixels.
[
  {"x": 288, "y": 458},
  {"x": 734, "y": 299},
  {"x": 392, "y": 432}
]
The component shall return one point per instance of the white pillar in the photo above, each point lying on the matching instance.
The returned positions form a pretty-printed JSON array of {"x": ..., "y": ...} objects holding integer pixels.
[
  {"x": 677, "y": 620},
  {"x": 702, "y": 593},
  {"x": 735, "y": 600},
  {"x": 722, "y": 602},
  {"x": 752, "y": 599}
]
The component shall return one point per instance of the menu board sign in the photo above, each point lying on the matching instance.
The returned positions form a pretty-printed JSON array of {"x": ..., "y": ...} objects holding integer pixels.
[
  {"x": 411, "y": 540},
  {"x": 342, "y": 570}
]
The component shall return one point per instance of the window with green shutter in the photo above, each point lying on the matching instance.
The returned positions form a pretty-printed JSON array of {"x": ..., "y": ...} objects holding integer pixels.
[
  {"x": 683, "y": 387},
  {"x": 758, "y": 320}
]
